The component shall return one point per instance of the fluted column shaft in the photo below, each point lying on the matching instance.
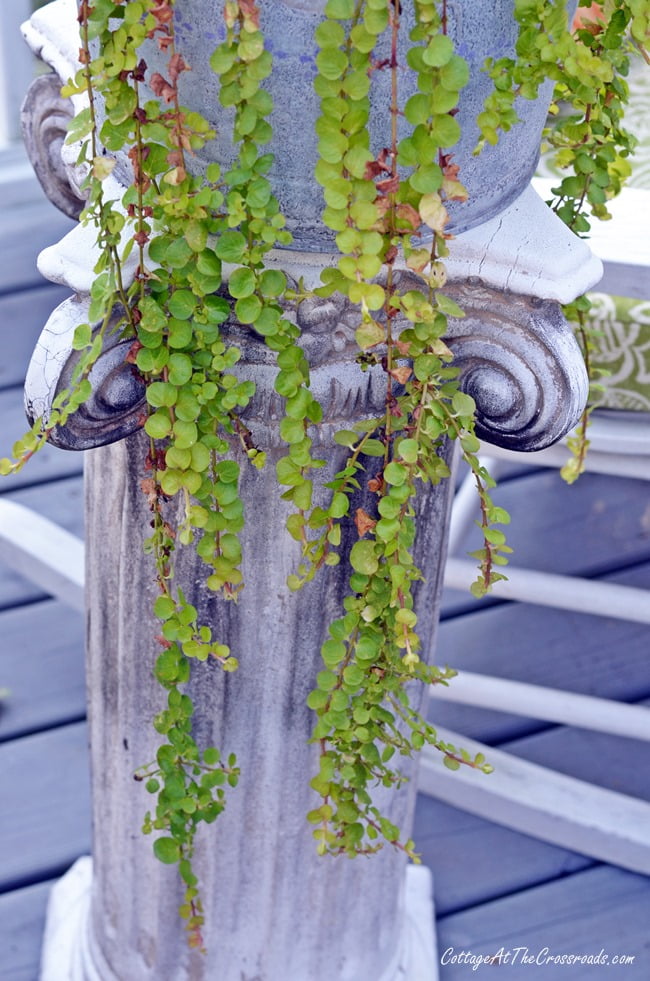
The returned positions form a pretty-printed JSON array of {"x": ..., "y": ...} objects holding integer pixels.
[{"x": 274, "y": 909}]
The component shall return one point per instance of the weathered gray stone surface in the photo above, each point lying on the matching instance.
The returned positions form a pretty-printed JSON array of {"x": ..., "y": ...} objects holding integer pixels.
[
  {"x": 276, "y": 911},
  {"x": 45, "y": 116},
  {"x": 481, "y": 29},
  {"x": 517, "y": 357}
]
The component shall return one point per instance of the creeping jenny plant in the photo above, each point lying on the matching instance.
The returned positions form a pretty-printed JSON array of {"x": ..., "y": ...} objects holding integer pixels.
[{"x": 387, "y": 210}]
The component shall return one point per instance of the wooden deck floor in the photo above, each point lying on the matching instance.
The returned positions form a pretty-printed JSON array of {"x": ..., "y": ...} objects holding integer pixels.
[{"x": 494, "y": 888}]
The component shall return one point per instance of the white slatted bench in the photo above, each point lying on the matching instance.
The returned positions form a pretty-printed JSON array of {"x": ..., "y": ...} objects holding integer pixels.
[{"x": 603, "y": 824}]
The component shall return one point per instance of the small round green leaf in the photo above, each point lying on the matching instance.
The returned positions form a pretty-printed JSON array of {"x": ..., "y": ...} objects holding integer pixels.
[
  {"x": 167, "y": 850},
  {"x": 363, "y": 558}
]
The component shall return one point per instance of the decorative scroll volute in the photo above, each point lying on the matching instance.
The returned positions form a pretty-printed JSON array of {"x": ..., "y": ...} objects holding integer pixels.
[
  {"x": 45, "y": 116},
  {"x": 517, "y": 357},
  {"x": 520, "y": 362}
]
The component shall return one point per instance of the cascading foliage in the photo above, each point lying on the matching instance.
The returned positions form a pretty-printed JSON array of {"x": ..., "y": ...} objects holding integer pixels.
[
  {"x": 585, "y": 134},
  {"x": 388, "y": 211}
]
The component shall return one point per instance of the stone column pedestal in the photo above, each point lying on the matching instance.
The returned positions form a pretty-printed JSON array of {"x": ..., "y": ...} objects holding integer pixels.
[{"x": 274, "y": 910}]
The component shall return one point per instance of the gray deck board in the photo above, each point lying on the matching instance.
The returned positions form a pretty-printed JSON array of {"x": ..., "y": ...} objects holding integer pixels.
[
  {"x": 47, "y": 465},
  {"x": 41, "y": 665},
  {"x": 45, "y": 818},
  {"x": 25, "y": 229},
  {"x": 600, "y": 909},
  {"x": 22, "y": 919},
  {"x": 598, "y": 526},
  {"x": 475, "y": 861}
]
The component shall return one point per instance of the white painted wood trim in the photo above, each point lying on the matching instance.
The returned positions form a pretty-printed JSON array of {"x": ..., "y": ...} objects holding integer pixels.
[
  {"x": 42, "y": 552},
  {"x": 551, "y": 704},
  {"x": 603, "y": 599},
  {"x": 571, "y": 813}
]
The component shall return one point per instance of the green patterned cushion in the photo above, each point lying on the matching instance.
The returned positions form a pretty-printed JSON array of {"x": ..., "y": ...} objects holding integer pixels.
[
  {"x": 624, "y": 350},
  {"x": 637, "y": 119}
]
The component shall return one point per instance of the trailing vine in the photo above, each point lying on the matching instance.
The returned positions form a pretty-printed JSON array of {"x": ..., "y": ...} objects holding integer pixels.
[
  {"x": 388, "y": 211},
  {"x": 364, "y": 715},
  {"x": 585, "y": 136}
]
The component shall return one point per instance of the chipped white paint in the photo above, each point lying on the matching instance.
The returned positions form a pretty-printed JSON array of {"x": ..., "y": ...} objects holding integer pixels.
[
  {"x": 71, "y": 261},
  {"x": 526, "y": 249},
  {"x": 51, "y": 354}
]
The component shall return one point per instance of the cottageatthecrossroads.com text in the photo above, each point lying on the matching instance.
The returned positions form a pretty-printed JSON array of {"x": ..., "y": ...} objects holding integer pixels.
[{"x": 515, "y": 956}]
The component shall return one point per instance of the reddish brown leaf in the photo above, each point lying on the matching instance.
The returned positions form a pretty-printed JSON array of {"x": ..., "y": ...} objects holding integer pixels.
[
  {"x": 138, "y": 72},
  {"x": 449, "y": 169},
  {"x": 163, "y": 12},
  {"x": 85, "y": 10},
  {"x": 389, "y": 185},
  {"x": 385, "y": 158},
  {"x": 250, "y": 12},
  {"x": 404, "y": 347},
  {"x": 391, "y": 255},
  {"x": 177, "y": 65},
  {"x": 407, "y": 213},
  {"x": 363, "y": 521},
  {"x": 161, "y": 87},
  {"x": 176, "y": 176},
  {"x": 373, "y": 169},
  {"x": 133, "y": 352},
  {"x": 401, "y": 374},
  {"x": 393, "y": 407}
]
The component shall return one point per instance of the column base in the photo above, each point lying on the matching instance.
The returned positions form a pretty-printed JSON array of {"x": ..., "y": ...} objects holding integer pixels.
[{"x": 65, "y": 958}]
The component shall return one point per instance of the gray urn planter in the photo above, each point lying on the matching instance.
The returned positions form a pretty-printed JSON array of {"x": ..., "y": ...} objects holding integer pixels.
[{"x": 274, "y": 910}]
